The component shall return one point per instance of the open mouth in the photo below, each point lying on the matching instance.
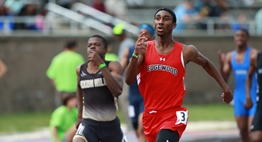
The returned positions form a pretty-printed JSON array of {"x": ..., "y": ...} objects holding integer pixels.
[{"x": 160, "y": 29}]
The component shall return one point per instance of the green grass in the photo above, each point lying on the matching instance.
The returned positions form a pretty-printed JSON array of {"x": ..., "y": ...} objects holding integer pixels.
[
  {"x": 22, "y": 122},
  {"x": 210, "y": 112},
  {"x": 30, "y": 121}
]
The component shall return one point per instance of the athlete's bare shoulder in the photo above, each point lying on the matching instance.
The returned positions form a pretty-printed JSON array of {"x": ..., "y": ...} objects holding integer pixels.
[
  {"x": 115, "y": 66},
  {"x": 229, "y": 56},
  {"x": 78, "y": 69},
  {"x": 189, "y": 52}
]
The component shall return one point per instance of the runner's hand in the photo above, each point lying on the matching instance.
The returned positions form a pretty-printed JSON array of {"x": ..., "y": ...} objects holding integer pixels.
[
  {"x": 78, "y": 122},
  {"x": 94, "y": 56},
  {"x": 221, "y": 57},
  {"x": 227, "y": 96},
  {"x": 141, "y": 44},
  {"x": 248, "y": 103}
]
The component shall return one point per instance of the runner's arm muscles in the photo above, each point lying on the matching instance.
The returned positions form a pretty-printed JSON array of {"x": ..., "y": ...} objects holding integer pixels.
[
  {"x": 225, "y": 70},
  {"x": 251, "y": 71},
  {"x": 192, "y": 54},
  {"x": 113, "y": 77},
  {"x": 133, "y": 69},
  {"x": 79, "y": 95}
]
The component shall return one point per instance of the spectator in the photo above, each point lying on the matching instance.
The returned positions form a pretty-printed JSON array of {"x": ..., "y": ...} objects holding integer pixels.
[
  {"x": 221, "y": 12},
  {"x": 14, "y": 5},
  {"x": 116, "y": 8},
  {"x": 185, "y": 12},
  {"x": 62, "y": 71},
  {"x": 40, "y": 19},
  {"x": 223, "y": 23},
  {"x": 29, "y": 11},
  {"x": 258, "y": 19},
  {"x": 99, "y": 5},
  {"x": 220, "y": 8},
  {"x": 7, "y": 22},
  {"x": 205, "y": 9},
  {"x": 63, "y": 119},
  {"x": 241, "y": 23},
  {"x": 125, "y": 41},
  {"x": 65, "y": 3}
]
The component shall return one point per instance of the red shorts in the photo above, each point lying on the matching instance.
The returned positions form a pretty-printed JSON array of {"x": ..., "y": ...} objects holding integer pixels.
[{"x": 154, "y": 121}]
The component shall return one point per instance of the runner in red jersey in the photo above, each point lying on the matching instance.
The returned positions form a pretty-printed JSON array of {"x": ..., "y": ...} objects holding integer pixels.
[{"x": 159, "y": 67}]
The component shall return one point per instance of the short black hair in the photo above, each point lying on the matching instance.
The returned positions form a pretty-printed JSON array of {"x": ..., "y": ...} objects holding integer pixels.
[
  {"x": 245, "y": 31},
  {"x": 169, "y": 11},
  {"x": 103, "y": 40},
  {"x": 71, "y": 44},
  {"x": 66, "y": 97}
]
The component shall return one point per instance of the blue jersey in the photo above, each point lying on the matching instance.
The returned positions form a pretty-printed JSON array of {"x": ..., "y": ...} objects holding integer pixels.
[{"x": 240, "y": 75}]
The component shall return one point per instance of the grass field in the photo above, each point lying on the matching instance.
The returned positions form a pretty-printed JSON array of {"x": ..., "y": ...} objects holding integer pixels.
[
  {"x": 30, "y": 121},
  {"x": 210, "y": 112}
]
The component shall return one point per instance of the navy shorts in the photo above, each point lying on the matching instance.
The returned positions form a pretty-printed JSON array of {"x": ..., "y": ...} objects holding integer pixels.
[
  {"x": 135, "y": 108},
  {"x": 100, "y": 131}
]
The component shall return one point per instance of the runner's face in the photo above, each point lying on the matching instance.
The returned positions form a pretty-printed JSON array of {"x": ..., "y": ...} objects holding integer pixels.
[
  {"x": 95, "y": 44},
  {"x": 241, "y": 38},
  {"x": 163, "y": 22}
]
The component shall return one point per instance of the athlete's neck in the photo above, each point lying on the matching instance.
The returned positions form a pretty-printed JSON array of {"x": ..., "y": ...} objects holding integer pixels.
[
  {"x": 163, "y": 42},
  {"x": 242, "y": 48}
]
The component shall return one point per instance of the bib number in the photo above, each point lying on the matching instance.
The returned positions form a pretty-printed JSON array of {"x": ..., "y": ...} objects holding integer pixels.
[{"x": 181, "y": 117}]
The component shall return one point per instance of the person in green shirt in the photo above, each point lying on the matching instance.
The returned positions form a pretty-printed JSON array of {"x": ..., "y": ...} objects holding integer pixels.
[
  {"x": 63, "y": 120},
  {"x": 62, "y": 71}
]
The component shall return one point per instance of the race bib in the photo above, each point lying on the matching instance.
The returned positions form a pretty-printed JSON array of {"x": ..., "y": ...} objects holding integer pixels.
[{"x": 181, "y": 117}]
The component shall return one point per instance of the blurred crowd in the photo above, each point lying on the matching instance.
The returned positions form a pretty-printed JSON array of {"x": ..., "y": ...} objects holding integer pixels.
[
  {"x": 191, "y": 14},
  {"x": 196, "y": 14},
  {"x": 32, "y": 12},
  {"x": 34, "y": 15}
]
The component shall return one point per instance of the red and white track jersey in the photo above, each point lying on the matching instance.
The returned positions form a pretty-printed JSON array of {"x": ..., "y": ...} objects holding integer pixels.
[{"x": 161, "y": 78}]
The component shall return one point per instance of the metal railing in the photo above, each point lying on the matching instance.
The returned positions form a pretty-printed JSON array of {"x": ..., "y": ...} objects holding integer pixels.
[
  {"x": 79, "y": 18},
  {"x": 103, "y": 17}
]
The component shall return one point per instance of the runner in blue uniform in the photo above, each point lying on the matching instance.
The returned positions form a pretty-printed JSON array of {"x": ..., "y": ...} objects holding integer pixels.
[{"x": 238, "y": 60}]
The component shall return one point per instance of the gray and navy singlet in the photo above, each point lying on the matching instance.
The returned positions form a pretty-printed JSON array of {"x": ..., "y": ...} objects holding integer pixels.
[
  {"x": 98, "y": 102},
  {"x": 100, "y": 122}
]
